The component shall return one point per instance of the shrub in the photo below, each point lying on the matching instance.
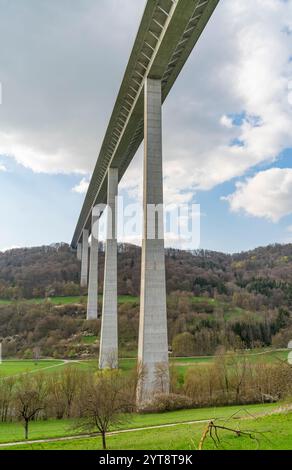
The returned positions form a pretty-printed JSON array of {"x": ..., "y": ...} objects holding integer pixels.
[
  {"x": 27, "y": 354},
  {"x": 163, "y": 402},
  {"x": 183, "y": 345}
]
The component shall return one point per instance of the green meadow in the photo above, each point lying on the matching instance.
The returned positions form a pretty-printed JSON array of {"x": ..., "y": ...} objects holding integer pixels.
[
  {"x": 69, "y": 300},
  {"x": 13, "y": 432},
  {"x": 16, "y": 367},
  {"x": 176, "y": 432}
]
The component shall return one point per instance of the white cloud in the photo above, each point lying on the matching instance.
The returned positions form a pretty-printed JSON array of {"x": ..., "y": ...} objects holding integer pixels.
[
  {"x": 226, "y": 121},
  {"x": 81, "y": 187},
  {"x": 289, "y": 229},
  {"x": 268, "y": 194},
  {"x": 244, "y": 69},
  {"x": 58, "y": 84},
  {"x": 2, "y": 167},
  {"x": 56, "y": 122}
]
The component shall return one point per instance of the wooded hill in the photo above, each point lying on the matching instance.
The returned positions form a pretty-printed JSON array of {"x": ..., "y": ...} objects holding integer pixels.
[
  {"x": 262, "y": 276},
  {"x": 241, "y": 300}
]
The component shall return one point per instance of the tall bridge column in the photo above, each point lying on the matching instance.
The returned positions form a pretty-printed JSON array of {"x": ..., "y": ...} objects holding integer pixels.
[
  {"x": 84, "y": 259},
  {"x": 79, "y": 251},
  {"x": 92, "y": 300},
  {"x": 153, "y": 342},
  {"x": 108, "y": 355}
]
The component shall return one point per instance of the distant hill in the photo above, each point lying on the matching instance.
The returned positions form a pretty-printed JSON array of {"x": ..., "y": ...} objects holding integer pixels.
[
  {"x": 214, "y": 299},
  {"x": 54, "y": 270}
]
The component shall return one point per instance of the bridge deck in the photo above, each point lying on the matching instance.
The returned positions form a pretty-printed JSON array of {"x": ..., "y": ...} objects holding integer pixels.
[{"x": 168, "y": 32}]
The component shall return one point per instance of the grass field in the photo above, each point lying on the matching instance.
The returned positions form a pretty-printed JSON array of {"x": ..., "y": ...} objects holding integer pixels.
[
  {"x": 275, "y": 431},
  {"x": 13, "y": 432},
  {"x": 8, "y": 368},
  {"x": 179, "y": 435},
  {"x": 184, "y": 363},
  {"x": 71, "y": 300},
  {"x": 15, "y": 367},
  {"x": 61, "y": 300}
]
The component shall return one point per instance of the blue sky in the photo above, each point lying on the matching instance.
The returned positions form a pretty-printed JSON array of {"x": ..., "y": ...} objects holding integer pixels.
[
  {"x": 232, "y": 232},
  {"x": 41, "y": 209},
  {"x": 36, "y": 209},
  {"x": 226, "y": 125}
]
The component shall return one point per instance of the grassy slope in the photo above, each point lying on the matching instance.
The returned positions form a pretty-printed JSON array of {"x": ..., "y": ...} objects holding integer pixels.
[
  {"x": 70, "y": 300},
  {"x": 276, "y": 434},
  {"x": 229, "y": 310},
  {"x": 13, "y": 432}
]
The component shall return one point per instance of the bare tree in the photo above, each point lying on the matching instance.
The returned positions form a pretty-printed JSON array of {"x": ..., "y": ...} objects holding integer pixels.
[
  {"x": 56, "y": 400},
  {"x": 110, "y": 360},
  {"x": 212, "y": 431},
  {"x": 161, "y": 377},
  {"x": 141, "y": 375},
  {"x": 104, "y": 402},
  {"x": 30, "y": 397},
  {"x": 69, "y": 382},
  {"x": 6, "y": 390},
  {"x": 36, "y": 353},
  {"x": 239, "y": 366}
]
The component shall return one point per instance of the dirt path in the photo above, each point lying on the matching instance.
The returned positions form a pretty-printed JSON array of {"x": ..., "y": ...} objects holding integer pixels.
[
  {"x": 112, "y": 433},
  {"x": 280, "y": 410},
  {"x": 61, "y": 364}
]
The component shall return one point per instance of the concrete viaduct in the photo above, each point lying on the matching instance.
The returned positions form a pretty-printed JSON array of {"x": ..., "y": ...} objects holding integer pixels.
[{"x": 168, "y": 32}]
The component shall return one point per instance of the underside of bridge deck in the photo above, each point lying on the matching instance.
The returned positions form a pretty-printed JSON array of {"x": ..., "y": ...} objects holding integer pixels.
[{"x": 168, "y": 32}]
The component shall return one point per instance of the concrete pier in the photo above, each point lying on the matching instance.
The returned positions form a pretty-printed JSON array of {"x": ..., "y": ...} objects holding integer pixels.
[
  {"x": 92, "y": 300},
  {"x": 153, "y": 340},
  {"x": 84, "y": 259},
  {"x": 79, "y": 251},
  {"x": 108, "y": 356}
]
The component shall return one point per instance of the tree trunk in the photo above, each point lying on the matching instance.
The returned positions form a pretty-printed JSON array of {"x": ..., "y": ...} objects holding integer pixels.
[
  {"x": 103, "y": 441},
  {"x": 26, "y": 429}
]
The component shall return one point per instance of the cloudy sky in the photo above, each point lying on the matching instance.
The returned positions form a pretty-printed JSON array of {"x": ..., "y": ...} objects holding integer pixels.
[{"x": 227, "y": 123}]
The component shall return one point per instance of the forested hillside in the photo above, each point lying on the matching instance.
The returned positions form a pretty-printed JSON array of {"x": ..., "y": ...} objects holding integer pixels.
[
  {"x": 261, "y": 277},
  {"x": 238, "y": 301}
]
